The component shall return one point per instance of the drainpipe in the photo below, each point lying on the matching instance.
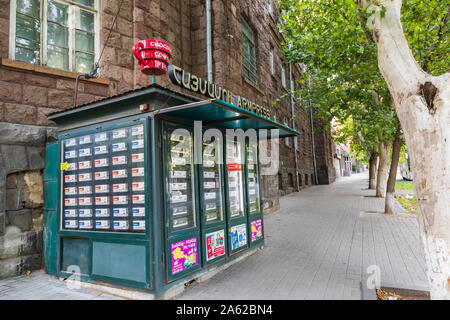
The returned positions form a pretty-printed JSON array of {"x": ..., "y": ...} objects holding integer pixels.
[
  {"x": 209, "y": 41},
  {"x": 291, "y": 81},
  {"x": 312, "y": 134}
]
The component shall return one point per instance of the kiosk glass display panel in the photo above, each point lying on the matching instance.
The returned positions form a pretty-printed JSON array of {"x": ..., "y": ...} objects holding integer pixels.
[
  {"x": 103, "y": 181},
  {"x": 181, "y": 179},
  {"x": 212, "y": 181},
  {"x": 253, "y": 179},
  {"x": 235, "y": 178}
]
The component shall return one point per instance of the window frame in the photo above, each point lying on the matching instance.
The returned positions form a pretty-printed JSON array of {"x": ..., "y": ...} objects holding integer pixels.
[
  {"x": 43, "y": 59},
  {"x": 252, "y": 42}
]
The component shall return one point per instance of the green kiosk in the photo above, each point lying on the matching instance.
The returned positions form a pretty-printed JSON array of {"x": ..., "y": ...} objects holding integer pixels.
[{"x": 129, "y": 199}]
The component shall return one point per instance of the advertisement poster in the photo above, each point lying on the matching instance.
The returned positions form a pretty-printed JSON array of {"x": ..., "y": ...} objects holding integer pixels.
[
  {"x": 234, "y": 167},
  {"x": 215, "y": 244},
  {"x": 256, "y": 227},
  {"x": 238, "y": 236},
  {"x": 184, "y": 255}
]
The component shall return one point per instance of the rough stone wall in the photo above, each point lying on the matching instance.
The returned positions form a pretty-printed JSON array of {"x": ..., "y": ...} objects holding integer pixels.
[{"x": 22, "y": 158}]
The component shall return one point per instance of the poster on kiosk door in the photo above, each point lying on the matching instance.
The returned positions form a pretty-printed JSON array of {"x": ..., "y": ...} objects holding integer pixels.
[
  {"x": 184, "y": 255},
  {"x": 215, "y": 244}
]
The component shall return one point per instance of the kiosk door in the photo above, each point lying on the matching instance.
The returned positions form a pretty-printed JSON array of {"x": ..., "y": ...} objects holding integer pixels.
[
  {"x": 254, "y": 194},
  {"x": 237, "y": 219},
  {"x": 212, "y": 202},
  {"x": 182, "y": 223}
]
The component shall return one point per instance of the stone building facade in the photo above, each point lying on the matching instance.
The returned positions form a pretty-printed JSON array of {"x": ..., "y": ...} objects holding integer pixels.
[{"x": 31, "y": 88}]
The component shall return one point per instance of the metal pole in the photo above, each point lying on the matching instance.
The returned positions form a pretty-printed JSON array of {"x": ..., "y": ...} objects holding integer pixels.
[
  {"x": 312, "y": 133},
  {"x": 291, "y": 81},
  {"x": 209, "y": 41}
]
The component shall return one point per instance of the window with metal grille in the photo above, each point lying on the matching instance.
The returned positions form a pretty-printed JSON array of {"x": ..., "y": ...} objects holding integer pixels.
[
  {"x": 249, "y": 67},
  {"x": 60, "y": 34}
]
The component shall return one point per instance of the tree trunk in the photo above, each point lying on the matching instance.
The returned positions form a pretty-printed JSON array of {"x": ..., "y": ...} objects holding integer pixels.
[
  {"x": 383, "y": 167},
  {"x": 422, "y": 102},
  {"x": 390, "y": 189},
  {"x": 372, "y": 170}
]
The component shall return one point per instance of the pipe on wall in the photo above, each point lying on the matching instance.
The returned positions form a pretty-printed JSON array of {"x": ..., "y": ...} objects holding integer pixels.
[
  {"x": 209, "y": 41},
  {"x": 312, "y": 134},
  {"x": 291, "y": 83}
]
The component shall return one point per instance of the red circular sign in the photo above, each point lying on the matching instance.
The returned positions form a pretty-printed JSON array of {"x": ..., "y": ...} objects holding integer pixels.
[{"x": 153, "y": 55}]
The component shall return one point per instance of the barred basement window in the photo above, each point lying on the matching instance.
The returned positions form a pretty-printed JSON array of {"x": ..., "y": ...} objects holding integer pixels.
[
  {"x": 61, "y": 34},
  {"x": 249, "y": 70}
]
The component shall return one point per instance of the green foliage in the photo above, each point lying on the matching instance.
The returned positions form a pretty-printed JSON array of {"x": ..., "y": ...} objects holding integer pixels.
[
  {"x": 345, "y": 84},
  {"x": 343, "y": 80},
  {"x": 427, "y": 29}
]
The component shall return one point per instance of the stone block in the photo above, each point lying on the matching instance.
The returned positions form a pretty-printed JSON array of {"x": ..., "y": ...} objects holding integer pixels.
[
  {"x": 60, "y": 99},
  {"x": 10, "y": 91},
  {"x": 42, "y": 116},
  {"x": 33, "y": 95},
  {"x": 38, "y": 80},
  {"x": 14, "y": 157},
  {"x": 20, "y": 113},
  {"x": 11, "y": 134},
  {"x": 36, "y": 157},
  {"x": 20, "y": 218}
]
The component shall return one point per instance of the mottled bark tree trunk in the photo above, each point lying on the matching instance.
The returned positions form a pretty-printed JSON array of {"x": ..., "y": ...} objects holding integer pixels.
[
  {"x": 390, "y": 189},
  {"x": 422, "y": 102},
  {"x": 372, "y": 170},
  {"x": 383, "y": 167}
]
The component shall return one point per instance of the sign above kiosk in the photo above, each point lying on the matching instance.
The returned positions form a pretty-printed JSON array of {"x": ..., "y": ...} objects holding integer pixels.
[{"x": 198, "y": 85}]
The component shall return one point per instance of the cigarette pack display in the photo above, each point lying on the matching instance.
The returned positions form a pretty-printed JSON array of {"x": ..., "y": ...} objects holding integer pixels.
[
  {"x": 138, "y": 225},
  {"x": 100, "y": 201},
  {"x": 82, "y": 177},
  {"x": 178, "y": 211},
  {"x": 70, "y": 191},
  {"x": 180, "y": 222},
  {"x": 102, "y": 224},
  {"x": 70, "y": 202},
  {"x": 70, "y": 143},
  {"x": 137, "y": 130},
  {"x": 71, "y": 224},
  {"x": 138, "y": 212},
  {"x": 101, "y": 175},
  {"x": 138, "y": 186},
  {"x": 85, "y": 224},
  {"x": 121, "y": 225},
  {"x": 98, "y": 163},
  {"x": 85, "y": 201},
  {"x": 178, "y": 161},
  {"x": 84, "y": 165},
  {"x": 120, "y": 187},
  {"x": 101, "y": 213},
  {"x": 137, "y": 157},
  {"x": 70, "y": 154},
  {"x": 99, "y": 137},
  {"x": 72, "y": 166},
  {"x": 137, "y": 172},
  {"x": 102, "y": 188},
  {"x": 121, "y": 146},
  {"x": 85, "y": 190},
  {"x": 178, "y": 198},
  {"x": 119, "y": 160},
  {"x": 85, "y": 213},
  {"x": 70, "y": 213},
  {"x": 84, "y": 140},
  {"x": 120, "y": 199},
  {"x": 209, "y": 185},
  {"x": 120, "y": 212},
  {"x": 178, "y": 174},
  {"x": 119, "y": 133},
  {"x": 209, "y": 174},
  {"x": 138, "y": 198},
  {"x": 210, "y": 195},
  {"x": 137, "y": 144},
  {"x": 100, "y": 150},
  {"x": 208, "y": 163},
  {"x": 84, "y": 152},
  {"x": 210, "y": 206},
  {"x": 116, "y": 174},
  {"x": 178, "y": 186}
]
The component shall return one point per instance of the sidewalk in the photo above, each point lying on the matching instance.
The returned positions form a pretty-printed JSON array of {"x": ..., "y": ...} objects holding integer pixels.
[{"x": 318, "y": 245}]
